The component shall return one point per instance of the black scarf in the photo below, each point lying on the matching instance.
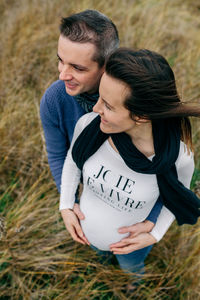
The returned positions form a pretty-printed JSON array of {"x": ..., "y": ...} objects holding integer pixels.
[{"x": 182, "y": 202}]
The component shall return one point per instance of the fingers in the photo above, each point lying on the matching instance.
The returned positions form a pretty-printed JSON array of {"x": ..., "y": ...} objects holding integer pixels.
[
  {"x": 78, "y": 212},
  {"x": 80, "y": 216},
  {"x": 137, "y": 228},
  {"x": 80, "y": 234},
  {"x": 131, "y": 244},
  {"x": 75, "y": 236},
  {"x": 125, "y": 250},
  {"x": 126, "y": 229},
  {"x": 122, "y": 244},
  {"x": 119, "y": 244},
  {"x": 73, "y": 226},
  {"x": 133, "y": 229}
]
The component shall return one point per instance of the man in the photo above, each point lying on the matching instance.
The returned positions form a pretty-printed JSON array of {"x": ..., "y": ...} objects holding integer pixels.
[{"x": 86, "y": 39}]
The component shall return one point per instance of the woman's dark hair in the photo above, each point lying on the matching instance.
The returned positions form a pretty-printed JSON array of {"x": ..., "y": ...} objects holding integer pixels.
[{"x": 153, "y": 93}]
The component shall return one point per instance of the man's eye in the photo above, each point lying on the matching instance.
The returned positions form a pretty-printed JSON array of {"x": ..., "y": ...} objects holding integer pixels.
[{"x": 78, "y": 68}]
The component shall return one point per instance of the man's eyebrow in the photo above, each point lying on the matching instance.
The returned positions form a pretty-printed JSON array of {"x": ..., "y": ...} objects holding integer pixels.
[
  {"x": 59, "y": 57},
  {"x": 74, "y": 65},
  {"x": 79, "y": 66}
]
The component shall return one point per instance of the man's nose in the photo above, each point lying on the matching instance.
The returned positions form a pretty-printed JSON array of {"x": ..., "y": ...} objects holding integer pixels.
[{"x": 66, "y": 73}]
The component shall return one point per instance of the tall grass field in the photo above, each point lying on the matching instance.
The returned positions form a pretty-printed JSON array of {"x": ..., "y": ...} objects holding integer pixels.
[{"x": 38, "y": 259}]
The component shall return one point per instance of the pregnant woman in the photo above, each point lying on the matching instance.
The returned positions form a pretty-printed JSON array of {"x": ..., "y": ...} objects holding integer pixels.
[{"x": 134, "y": 149}]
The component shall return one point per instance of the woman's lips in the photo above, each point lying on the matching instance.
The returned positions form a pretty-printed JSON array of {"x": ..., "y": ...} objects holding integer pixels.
[{"x": 104, "y": 121}]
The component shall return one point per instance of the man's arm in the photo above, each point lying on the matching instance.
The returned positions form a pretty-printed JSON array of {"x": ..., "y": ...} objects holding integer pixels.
[
  {"x": 59, "y": 113},
  {"x": 57, "y": 143},
  {"x": 154, "y": 213}
]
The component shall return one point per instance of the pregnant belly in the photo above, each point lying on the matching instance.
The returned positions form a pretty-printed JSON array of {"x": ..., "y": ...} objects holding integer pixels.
[
  {"x": 101, "y": 234},
  {"x": 101, "y": 226}
]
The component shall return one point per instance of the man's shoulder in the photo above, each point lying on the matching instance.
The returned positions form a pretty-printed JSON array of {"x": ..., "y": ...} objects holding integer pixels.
[
  {"x": 56, "y": 89},
  {"x": 57, "y": 102},
  {"x": 56, "y": 96}
]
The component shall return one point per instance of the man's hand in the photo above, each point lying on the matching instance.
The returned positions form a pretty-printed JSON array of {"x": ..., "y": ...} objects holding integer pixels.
[
  {"x": 138, "y": 238},
  {"x": 130, "y": 244},
  {"x": 71, "y": 220}
]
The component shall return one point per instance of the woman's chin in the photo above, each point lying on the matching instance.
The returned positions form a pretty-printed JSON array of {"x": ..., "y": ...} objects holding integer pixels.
[{"x": 105, "y": 129}]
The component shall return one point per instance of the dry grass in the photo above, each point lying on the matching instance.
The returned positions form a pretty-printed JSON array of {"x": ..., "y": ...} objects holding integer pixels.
[{"x": 38, "y": 258}]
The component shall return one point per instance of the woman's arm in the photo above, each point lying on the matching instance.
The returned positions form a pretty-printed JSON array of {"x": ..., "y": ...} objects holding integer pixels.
[
  {"x": 71, "y": 174},
  {"x": 69, "y": 182},
  {"x": 185, "y": 169}
]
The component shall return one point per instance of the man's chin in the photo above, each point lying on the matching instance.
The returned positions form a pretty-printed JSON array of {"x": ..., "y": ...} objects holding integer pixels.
[{"x": 72, "y": 92}]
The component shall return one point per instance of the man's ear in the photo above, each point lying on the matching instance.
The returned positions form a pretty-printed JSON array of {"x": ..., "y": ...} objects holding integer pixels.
[{"x": 103, "y": 69}]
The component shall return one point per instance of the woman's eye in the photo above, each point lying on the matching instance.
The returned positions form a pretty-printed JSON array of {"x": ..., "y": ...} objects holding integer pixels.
[{"x": 107, "y": 106}]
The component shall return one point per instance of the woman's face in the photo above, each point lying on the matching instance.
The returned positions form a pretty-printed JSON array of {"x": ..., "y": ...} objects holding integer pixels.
[{"x": 115, "y": 117}]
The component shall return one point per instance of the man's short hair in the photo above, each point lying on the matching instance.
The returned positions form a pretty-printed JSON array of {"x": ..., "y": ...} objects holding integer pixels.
[{"x": 93, "y": 27}]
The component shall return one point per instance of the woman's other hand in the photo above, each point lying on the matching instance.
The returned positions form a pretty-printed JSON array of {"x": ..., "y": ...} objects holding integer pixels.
[
  {"x": 133, "y": 243},
  {"x": 134, "y": 230},
  {"x": 138, "y": 238}
]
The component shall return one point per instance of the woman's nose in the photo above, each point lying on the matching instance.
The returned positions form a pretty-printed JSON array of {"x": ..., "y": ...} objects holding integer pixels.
[{"x": 97, "y": 108}]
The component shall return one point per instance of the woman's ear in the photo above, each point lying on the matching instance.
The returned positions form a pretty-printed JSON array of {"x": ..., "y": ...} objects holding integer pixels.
[{"x": 140, "y": 120}]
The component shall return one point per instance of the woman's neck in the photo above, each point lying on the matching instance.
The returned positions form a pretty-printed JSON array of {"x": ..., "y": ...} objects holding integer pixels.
[{"x": 142, "y": 137}]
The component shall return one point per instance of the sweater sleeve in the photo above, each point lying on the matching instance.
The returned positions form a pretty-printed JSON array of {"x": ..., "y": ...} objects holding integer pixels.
[
  {"x": 59, "y": 114},
  {"x": 57, "y": 143},
  {"x": 185, "y": 169},
  {"x": 71, "y": 174},
  {"x": 154, "y": 213}
]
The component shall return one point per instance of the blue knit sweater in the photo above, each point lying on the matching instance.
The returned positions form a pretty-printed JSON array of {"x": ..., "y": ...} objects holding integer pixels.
[{"x": 59, "y": 113}]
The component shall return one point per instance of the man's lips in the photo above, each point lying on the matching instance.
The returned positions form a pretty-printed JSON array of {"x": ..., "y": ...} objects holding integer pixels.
[{"x": 71, "y": 85}]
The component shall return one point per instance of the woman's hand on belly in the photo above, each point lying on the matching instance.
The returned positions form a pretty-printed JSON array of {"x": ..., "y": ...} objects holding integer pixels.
[
  {"x": 133, "y": 243},
  {"x": 72, "y": 224},
  {"x": 141, "y": 227},
  {"x": 136, "y": 240}
]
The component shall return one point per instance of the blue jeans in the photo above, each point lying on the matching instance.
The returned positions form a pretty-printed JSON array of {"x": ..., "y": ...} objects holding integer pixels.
[{"x": 132, "y": 262}]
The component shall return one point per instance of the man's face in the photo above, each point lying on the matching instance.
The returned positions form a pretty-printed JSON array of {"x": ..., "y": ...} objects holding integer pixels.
[{"x": 77, "y": 69}]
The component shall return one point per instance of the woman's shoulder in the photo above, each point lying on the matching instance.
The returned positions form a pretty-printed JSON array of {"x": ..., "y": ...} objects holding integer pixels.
[
  {"x": 185, "y": 165},
  {"x": 83, "y": 122},
  {"x": 185, "y": 157},
  {"x": 86, "y": 119}
]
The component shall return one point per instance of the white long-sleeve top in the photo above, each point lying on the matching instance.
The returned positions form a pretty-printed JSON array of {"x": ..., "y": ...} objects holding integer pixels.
[{"x": 114, "y": 195}]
